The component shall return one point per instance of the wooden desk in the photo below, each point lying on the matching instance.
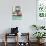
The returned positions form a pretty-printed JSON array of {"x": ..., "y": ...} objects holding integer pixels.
[
  {"x": 17, "y": 43},
  {"x": 8, "y": 34}
]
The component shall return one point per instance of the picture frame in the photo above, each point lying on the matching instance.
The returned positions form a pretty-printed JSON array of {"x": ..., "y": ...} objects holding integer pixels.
[{"x": 16, "y": 13}]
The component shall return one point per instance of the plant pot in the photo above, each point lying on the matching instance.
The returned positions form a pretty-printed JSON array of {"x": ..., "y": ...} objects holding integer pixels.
[{"x": 38, "y": 40}]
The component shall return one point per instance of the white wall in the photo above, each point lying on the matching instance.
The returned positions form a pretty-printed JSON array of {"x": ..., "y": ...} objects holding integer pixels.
[{"x": 28, "y": 17}]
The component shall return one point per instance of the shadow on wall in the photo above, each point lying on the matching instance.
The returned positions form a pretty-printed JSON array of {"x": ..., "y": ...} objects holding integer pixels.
[
  {"x": 2, "y": 34},
  {"x": 7, "y": 30}
]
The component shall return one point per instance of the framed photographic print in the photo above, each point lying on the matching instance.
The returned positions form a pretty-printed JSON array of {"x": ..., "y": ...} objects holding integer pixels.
[
  {"x": 41, "y": 12},
  {"x": 41, "y": 8},
  {"x": 16, "y": 13}
]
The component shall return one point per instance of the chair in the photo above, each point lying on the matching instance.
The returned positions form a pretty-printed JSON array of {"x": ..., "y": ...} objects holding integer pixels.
[
  {"x": 14, "y": 32},
  {"x": 25, "y": 42},
  {"x": 8, "y": 34}
]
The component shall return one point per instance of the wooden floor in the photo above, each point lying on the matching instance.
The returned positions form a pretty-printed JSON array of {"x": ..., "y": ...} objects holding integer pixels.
[{"x": 13, "y": 44}]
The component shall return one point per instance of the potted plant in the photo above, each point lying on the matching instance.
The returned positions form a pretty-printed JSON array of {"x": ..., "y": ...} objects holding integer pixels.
[{"x": 39, "y": 36}]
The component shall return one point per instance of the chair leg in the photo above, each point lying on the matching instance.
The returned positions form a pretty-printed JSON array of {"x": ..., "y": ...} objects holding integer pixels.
[
  {"x": 17, "y": 40},
  {"x": 5, "y": 40},
  {"x": 5, "y": 43}
]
